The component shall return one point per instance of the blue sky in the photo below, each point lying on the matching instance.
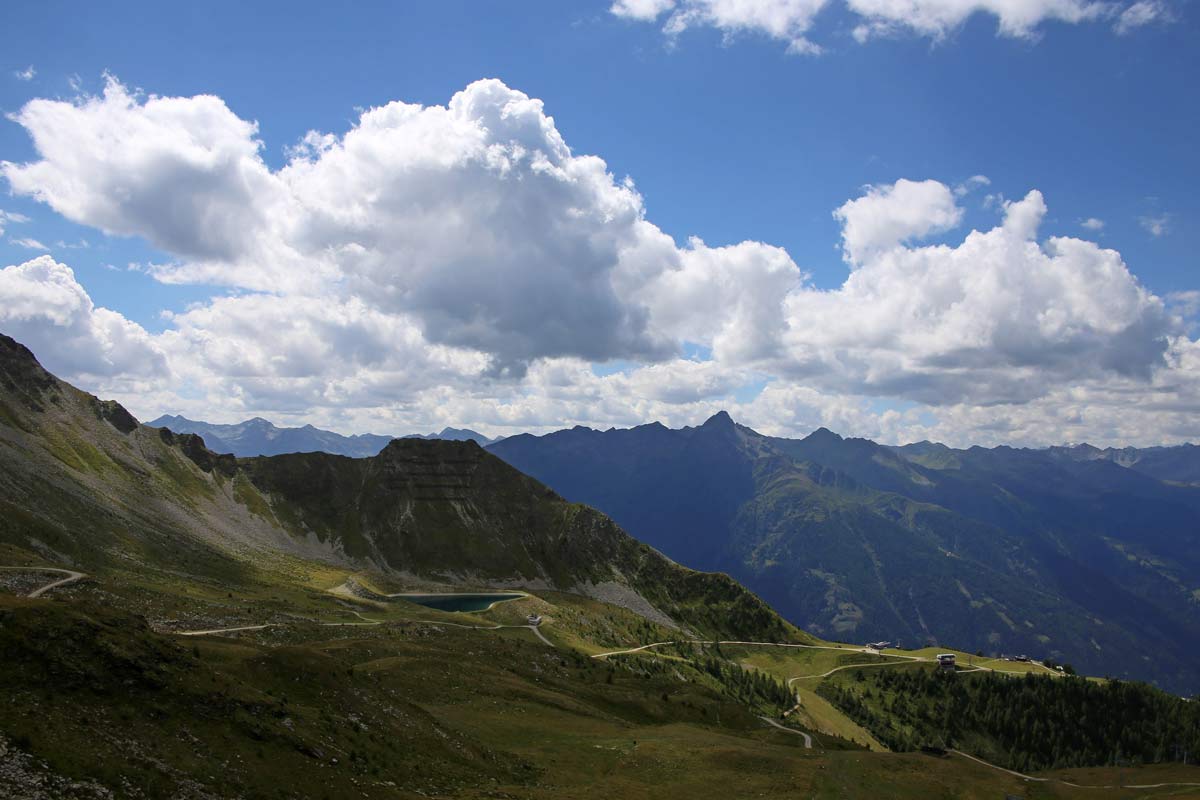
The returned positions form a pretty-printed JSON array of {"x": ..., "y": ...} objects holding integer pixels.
[{"x": 728, "y": 138}]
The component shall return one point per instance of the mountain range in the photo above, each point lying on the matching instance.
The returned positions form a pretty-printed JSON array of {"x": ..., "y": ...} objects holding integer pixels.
[
  {"x": 259, "y": 437},
  {"x": 1076, "y": 554}
]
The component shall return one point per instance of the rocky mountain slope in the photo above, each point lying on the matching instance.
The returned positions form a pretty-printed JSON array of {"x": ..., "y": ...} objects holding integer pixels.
[
  {"x": 83, "y": 483},
  {"x": 997, "y": 550}
]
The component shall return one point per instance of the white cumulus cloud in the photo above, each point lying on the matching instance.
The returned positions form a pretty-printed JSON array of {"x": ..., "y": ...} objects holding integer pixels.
[
  {"x": 999, "y": 317},
  {"x": 475, "y": 218},
  {"x": 887, "y": 216},
  {"x": 460, "y": 264},
  {"x": 46, "y": 309}
]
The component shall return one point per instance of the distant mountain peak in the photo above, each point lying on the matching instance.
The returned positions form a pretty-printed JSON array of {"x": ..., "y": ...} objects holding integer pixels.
[
  {"x": 823, "y": 434},
  {"x": 719, "y": 419}
]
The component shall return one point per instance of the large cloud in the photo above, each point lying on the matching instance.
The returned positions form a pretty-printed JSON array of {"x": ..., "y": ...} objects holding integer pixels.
[
  {"x": 343, "y": 366},
  {"x": 727, "y": 298},
  {"x": 293, "y": 354},
  {"x": 475, "y": 218},
  {"x": 460, "y": 264},
  {"x": 183, "y": 172},
  {"x": 997, "y": 318},
  {"x": 791, "y": 21},
  {"x": 46, "y": 309}
]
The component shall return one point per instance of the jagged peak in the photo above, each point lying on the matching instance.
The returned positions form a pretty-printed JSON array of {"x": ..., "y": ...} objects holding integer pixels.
[
  {"x": 823, "y": 434},
  {"x": 192, "y": 445},
  {"x": 720, "y": 419},
  {"x": 116, "y": 415}
]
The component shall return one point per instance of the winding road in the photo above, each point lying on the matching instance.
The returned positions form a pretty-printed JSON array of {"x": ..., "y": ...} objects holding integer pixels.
[
  {"x": 786, "y": 729},
  {"x": 735, "y": 642},
  {"x": 71, "y": 574},
  {"x": 866, "y": 650}
]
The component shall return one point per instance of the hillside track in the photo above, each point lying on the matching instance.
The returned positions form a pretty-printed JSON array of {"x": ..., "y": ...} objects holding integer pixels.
[
  {"x": 71, "y": 574},
  {"x": 807, "y": 738}
]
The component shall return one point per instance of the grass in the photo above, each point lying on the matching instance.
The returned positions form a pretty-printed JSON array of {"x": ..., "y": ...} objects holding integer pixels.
[
  {"x": 791, "y": 662},
  {"x": 817, "y": 714},
  {"x": 419, "y": 705}
]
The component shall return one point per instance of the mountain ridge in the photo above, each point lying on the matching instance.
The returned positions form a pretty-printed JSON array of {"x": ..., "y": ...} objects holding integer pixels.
[
  {"x": 261, "y": 437},
  {"x": 1000, "y": 549}
]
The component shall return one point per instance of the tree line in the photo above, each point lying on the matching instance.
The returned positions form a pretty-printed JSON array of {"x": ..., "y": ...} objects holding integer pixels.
[
  {"x": 1030, "y": 723},
  {"x": 750, "y": 686}
]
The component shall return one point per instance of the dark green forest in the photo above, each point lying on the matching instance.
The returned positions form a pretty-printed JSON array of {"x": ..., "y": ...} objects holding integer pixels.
[
  {"x": 1028, "y": 724},
  {"x": 752, "y": 687}
]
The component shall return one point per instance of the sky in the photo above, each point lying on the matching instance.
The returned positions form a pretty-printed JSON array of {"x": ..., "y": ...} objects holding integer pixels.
[{"x": 970, "y": 222}]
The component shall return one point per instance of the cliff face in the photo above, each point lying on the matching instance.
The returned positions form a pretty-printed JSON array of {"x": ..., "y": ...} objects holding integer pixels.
[{"x": 84, "y": 483}]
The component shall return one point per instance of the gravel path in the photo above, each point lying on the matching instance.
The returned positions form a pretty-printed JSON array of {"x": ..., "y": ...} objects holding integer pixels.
[{"x": 72, "y": 576}]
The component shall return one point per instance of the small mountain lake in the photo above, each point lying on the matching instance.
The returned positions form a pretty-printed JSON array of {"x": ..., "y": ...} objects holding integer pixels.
[{"x": 459, "y": 601}]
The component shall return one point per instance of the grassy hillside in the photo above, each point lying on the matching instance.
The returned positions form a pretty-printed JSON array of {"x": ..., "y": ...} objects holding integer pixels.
[{"x": 417, "y": 707}]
